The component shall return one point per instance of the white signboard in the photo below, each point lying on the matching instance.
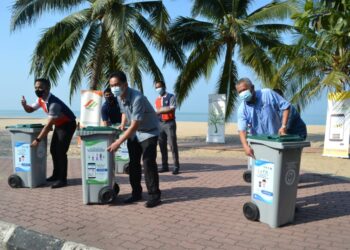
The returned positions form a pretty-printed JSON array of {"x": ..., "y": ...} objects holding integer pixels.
[
  {"x": 216, "y": 118},
  {"x": 90, "y": 107},
  {"x": 337, "y": 133}
]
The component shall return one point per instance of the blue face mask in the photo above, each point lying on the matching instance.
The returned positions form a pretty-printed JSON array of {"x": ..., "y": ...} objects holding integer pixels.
[
  {"x": 116, "y": 91},
  {"x": 160, "y": 91},
  {"x": 245, "y": 95}
]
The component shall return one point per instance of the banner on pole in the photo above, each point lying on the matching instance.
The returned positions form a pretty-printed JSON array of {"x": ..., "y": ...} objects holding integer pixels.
[
  {"x": 90, "y": 107},
  {"x": 216, "y": 118},
  {"x": 336, "y": 142}
]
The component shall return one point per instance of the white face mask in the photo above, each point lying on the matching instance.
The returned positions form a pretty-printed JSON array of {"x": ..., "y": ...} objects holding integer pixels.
[
  {"x": 160, "y": 91},
  {"x": 118, "y": 90},
  {"x": 246, "y": 95}
]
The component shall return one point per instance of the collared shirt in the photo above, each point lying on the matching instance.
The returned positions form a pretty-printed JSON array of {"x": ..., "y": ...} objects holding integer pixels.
[
  {"x": 55, "y": 109},
  {"x": 166, "y": 100},
  {"x": 136, "y": 107},
  {"x": 111, "y": 112},
  {"x": 263, "y": 116}
]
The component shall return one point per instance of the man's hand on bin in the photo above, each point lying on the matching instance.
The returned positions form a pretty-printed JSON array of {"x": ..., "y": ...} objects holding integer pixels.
[
  {"x": 249, "y": 151},
  {"x": 114, "y": 146},
  {"x": 282, "y": 130},
  {"x": 34, "y": 143}
]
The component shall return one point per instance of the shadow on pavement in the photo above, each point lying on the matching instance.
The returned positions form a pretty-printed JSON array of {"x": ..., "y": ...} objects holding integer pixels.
[
  {"x": 180, "y": 194},
  {"x": 194, "y": 167},
  {"x": 322, "y": 206},
  {"x": 309, "y": 180}
]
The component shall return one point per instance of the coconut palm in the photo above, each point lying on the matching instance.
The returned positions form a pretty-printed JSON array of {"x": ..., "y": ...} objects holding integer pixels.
[
  {"x": 225, "y": 30},
  {"x": 102, "y": 36},
  {"x": 320, "y": 60}
]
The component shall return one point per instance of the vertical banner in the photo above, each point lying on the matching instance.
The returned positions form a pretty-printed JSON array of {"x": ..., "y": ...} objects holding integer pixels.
[
  {"x": 216, "y": 118},
  {"x": 336, "y": 142},
  {"x": 90, "y": 107}
]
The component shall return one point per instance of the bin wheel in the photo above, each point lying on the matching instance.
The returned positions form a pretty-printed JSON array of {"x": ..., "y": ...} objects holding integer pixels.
[
  {"x": 247, "y": 176},
  {"x": 126, "y": 169},
  {"x": 116, "y": 189},
  {"x": 15, "y": 181},
  {"x": 106, "y": 195},
  {"x": 251, "y": 211}
]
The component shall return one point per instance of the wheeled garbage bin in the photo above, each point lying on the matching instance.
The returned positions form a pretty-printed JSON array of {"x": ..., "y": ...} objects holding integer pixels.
[
  {"x": 122, "y": 158},
  {"x": 97, "y": 164},
  {"x": 29, "y": 163},
  {"x": 275, "y": 177}
]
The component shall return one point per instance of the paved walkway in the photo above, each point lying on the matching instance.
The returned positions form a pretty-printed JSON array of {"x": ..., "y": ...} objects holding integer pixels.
[{"x": 201, "y": 209}]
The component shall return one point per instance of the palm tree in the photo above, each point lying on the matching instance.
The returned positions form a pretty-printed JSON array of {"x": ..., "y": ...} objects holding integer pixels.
[
  {"x": 103, "y": 36},
  {"x": 320, "y": 60},
  {"x": 225, "y": 29}
]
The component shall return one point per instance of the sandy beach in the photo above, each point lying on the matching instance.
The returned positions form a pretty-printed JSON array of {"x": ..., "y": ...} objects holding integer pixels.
[{"x": 192, "y": 143}]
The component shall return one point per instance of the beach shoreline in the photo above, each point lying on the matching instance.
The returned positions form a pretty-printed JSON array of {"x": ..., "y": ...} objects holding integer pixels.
[{"x": 192, "y": 143}]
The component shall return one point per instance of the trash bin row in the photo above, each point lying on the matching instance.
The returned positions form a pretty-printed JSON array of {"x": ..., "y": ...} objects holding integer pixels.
[{"x": 98, "y": 165}]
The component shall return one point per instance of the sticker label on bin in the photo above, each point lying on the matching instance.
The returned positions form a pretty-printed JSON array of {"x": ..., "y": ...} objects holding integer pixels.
[
  {"x": 96, "y": 164},
  {"x": 22, "y": 157},
  {"x": 263, "y": 181}
]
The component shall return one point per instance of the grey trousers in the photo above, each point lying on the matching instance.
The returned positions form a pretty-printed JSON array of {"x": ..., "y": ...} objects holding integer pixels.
[{"x": 168, "y": 135}]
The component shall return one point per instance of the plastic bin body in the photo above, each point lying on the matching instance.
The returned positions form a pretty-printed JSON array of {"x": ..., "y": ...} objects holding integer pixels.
[
  {"x": 275, "y": 177},
  {"x": 29, "y": 163},
  {"x": 121, "y": 157},
  {"x": 96, "y": 162}
]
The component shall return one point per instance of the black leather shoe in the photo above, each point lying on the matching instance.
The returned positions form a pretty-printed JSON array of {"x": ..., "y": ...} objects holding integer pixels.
[
  {"x": 59, "y": 184},
  {"x": 132, "y": 199},
  {"x": 163, "y": 170},
  {"x": 52, "y": 178},
  {"x": 152, "y": 203},
  {"x": 176, "y": 171}
]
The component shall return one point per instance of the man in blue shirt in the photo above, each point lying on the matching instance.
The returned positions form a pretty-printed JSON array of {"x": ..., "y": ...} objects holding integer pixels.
[
  {"x": 110, "y": 110},
  {"x": 295, "y": 125},
  {"x": 142, "y": 135},
  {"x": 260, "y": 112}
]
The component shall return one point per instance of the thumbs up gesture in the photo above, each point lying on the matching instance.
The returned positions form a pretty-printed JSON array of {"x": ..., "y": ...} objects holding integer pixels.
[{"x": 24, "y": 101}]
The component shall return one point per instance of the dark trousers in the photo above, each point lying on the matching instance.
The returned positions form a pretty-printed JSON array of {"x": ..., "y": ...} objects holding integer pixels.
[
  {"x": 60, "y": 142},
  {"x": 148, "y": 150},
  {"x": 168, "y": 135}
]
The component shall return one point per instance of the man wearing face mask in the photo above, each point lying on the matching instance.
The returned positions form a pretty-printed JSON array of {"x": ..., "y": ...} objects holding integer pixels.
[
  {"x": 260, "y": 112},
  {"x": 63, "y": 119},
  {"x": 110, "y": 110},
  {"x": 141, "y": 135},
  {"x": 165, "y": 107}
]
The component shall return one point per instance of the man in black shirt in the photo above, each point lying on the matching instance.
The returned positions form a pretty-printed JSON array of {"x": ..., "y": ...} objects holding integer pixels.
[{"x": 110, "y": 109}]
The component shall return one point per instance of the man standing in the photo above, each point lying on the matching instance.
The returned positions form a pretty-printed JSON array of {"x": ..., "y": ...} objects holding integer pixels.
[
  {"x": 260, "y": 112},
  {"x": 165, "y": 106},
  {"x": 142, "y": 135},
  {"x": 110, "y": 110},
  {"x": 63, "y": 119}
]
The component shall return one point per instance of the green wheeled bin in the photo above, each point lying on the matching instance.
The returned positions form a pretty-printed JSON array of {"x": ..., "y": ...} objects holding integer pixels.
[
  {"x": 98, "y": 165},
  {"x": 29, "y": 163},
  {"x": 275, "y": 177}
]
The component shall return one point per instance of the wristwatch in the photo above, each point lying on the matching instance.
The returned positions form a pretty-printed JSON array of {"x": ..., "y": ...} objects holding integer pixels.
[
  {"x": 37, "y": 139},
  {"x": 284, "y": 126}
]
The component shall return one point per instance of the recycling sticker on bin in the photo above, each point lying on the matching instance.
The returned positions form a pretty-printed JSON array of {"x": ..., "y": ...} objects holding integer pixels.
[
  {"x": 96, "y": 164},
  {"x": 263, "y": 181},
  {"x": 22, "y": 157}
]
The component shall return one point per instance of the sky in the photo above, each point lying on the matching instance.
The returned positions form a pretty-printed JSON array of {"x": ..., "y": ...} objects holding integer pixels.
[{"x": 17, "y": 47}]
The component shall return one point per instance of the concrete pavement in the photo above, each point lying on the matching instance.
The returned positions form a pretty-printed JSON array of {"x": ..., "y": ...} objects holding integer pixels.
[{"x": 201, "y": 209}]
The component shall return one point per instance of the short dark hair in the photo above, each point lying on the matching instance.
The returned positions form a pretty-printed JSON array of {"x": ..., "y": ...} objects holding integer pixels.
[
  {"x": 45, "y": 81},
  {"x": 278, "y": 91},
  {"x": 107, "y": 90},
  {"x": 161, "y": 83},
  {"x": 118, "y": 74}
]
